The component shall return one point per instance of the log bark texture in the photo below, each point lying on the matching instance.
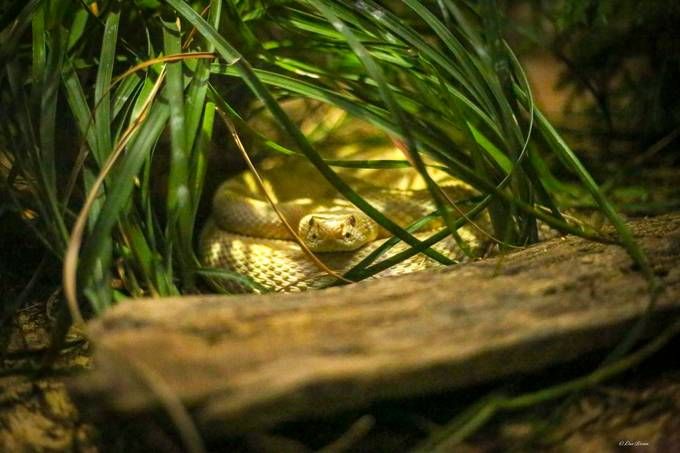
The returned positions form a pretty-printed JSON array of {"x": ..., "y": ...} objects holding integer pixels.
[{"x": 247, "y": 362}]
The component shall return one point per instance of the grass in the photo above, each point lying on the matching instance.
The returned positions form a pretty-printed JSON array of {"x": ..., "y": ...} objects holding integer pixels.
[{"x": 96, "y": 96}]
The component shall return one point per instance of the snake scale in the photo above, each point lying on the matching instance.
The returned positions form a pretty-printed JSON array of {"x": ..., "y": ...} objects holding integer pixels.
[{"x": 246, "y": 236}]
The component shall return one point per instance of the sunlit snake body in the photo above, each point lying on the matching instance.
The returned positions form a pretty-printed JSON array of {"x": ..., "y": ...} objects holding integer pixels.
[{"x": 246, "y": 236}]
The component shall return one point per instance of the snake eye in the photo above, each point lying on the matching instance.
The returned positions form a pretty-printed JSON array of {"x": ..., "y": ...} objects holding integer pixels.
[
  {"x": 313, "y": 236},
  {"x": 351, "y": 220}
]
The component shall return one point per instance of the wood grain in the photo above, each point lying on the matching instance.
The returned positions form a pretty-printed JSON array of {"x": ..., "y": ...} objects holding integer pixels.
[{"x": 247, "y": 362}]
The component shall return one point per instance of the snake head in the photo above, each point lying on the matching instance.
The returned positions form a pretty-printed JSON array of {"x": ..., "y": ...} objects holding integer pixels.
[{"x": 337, "y": 231}]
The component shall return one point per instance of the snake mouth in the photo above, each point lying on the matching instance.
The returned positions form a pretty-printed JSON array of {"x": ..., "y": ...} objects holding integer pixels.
[{"x": 337, "y": 231}]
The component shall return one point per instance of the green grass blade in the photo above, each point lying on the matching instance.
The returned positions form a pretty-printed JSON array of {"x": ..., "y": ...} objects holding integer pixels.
[
  {"x": 77, "y": 29},
  {"x": 124, "y": 93},
  {"x": 200, "y": 115},
  {"x": 178, "y": 199},
  {"x": 77, "y": 101},
  {"x": 102, "y": 111}
]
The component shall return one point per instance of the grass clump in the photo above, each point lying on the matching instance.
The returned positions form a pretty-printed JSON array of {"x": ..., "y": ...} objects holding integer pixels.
[{"x": 135, "y": 85}]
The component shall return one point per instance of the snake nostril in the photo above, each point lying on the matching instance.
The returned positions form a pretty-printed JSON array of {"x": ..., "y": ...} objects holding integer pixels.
[{"x": 348, "y": 235}]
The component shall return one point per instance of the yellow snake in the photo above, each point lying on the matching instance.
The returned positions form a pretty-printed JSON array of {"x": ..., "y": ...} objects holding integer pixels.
[{"x": 246, "y": 236}]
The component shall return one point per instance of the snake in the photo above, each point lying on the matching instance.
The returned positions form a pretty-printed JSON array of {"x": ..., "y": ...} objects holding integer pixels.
[{"x": 245, "y": 235}]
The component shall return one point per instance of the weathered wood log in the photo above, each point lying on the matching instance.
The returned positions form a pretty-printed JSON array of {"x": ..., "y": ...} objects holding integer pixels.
[{"x": 244, "y": 362}]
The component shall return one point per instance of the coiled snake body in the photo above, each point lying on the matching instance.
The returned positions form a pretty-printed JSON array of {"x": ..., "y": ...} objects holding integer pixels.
[{"x": 246, "y": 236}]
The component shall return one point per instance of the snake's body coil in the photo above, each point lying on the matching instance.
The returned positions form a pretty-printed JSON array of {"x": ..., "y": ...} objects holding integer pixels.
[{"x": 246, "y": 236}]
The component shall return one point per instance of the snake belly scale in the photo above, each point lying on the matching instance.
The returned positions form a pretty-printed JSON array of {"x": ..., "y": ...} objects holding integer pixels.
[{"x": 246, "y": 236}]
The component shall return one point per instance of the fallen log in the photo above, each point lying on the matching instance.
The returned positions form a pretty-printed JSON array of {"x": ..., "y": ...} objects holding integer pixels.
[{"x": 248, "y": 362}]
